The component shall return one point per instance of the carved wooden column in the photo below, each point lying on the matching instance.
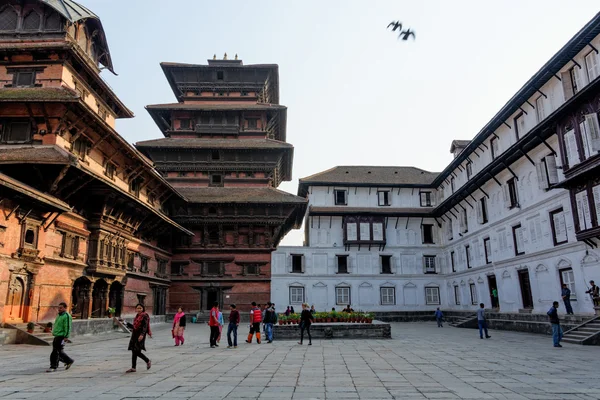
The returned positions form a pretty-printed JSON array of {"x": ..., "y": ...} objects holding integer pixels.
[
  {"x": 106, "y": 295},
  {"x": 90, "y": 296}
]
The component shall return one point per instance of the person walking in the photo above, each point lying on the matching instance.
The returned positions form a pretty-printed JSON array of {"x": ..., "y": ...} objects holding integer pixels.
[
  {"x": 137, "y": 343},
  {"x": 234, "y": 322},
  {"x": 594, "y": 293},
  {"x": 482, "y": 322},
  {"x": 557, "y": 332},
  {"x": 306, "y": 319},
  {"x": 438, "y": 317},
  {"x": 270, "y": 319},
  {"x": 566, "y": 296},
  {"x": 255, "y": 320},
  {"x": 213, "y": 322},
  {"x": 61, "y": 331},
  {"x": 221, "y": 323},
  {"x": 495, "y": 298},
  {"x": 179, "y": 327}
]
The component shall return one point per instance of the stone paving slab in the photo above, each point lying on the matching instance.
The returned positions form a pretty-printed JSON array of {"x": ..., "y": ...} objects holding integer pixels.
[{"x": 421, "y": 361}]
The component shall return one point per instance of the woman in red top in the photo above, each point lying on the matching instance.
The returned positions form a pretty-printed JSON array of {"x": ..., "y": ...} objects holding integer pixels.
[{"x": 213, "y": 322}]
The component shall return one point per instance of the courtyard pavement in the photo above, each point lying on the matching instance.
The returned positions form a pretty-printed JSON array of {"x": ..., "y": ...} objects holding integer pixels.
[{"x": 420, "y": 362}]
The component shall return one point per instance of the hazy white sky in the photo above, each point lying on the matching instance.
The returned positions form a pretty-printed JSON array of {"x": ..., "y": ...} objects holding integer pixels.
[{"x": 356, "y": 95}]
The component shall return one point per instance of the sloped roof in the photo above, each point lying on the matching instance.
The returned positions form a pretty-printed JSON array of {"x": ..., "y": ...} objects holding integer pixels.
[
  {"x": 41, "y": 93},
  {"x": 363, "y": 175},
  {"x": 199, "y": 143},
  {"x": 32, "y": 193},
  {"x": 74, "y": 12},
  {"x": 217, "y": 107},
  {"x": 459, "y": 143},
  {"x": 34, "y": 154},
  {"x": 238, "y": 195}
]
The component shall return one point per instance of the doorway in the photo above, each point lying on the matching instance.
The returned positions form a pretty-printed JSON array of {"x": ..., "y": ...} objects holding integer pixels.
[
  {"x": 211, "y": 297},
  {"x": 16, "y": 299},
  {"x": 116, "y": 297},
  {"x": 80, "y": 298},
  {"x": 526, "y": 289},
  {"x": 493, "y": 291}
]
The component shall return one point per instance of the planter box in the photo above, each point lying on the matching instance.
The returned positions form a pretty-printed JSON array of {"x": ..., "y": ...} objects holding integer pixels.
[{"x": 336, "y": 330}]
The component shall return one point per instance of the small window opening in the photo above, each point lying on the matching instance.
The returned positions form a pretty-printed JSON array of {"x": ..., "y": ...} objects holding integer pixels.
[
  {"x": 215, "y": 155},
  {"x": 29, "y": 236},
  {"x": 220, "y": 75}
]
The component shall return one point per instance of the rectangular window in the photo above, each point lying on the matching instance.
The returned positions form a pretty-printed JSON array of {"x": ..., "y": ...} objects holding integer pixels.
[
  {"x": 213, "y": 268},
  {"x": 220, "y": 75},
  {"x": 429, "y": 264},
  {"x": 365, "y": 231},
  {"x": 510, "y": 193},
  {"x": 463, "y": 221},
  {"x": 457, "y": 295},
  {"x": 518, "y": 239},
  {"x": 559, "y": 226},
  {"x": 383, "y": 198},
  {"x": 432, "y": 295},
  {"x": 427, "y": 233},
  {"x": 80, "y": 147},
  {"x": 469, "y": 169},
  {"x": 452, "y": 261},
  {"x": 583, "y": 210},
  {"x": 161, "y": 268},
  {"x": 251, "y": 269},
  {"x": 252, "y": 123},
  {"x": 144, "y": 263},
  {"x": 590, "y": 135},
  {"x": 386, "y": 264},
  {"x": 568, "y": 278},
  {"x": 388, "y": 296},
  {"x": 216, "y": 180},
  {"x": 342, "y": 264},
  {"x": 519, "y": 122},
  {"x": 494, "y": 147},
  {"x": 547, "y": 172},
  {"x": 340, "y": 197},
  {"x": 296, "y": 295},
  {"x": 570, "y": 82},
  {"x": 426, "y": 199},
  {"x": 342, "y": 295},
  {"x": 592, "y": 66},
  {"x": 449, "y": 229},
  {"x": 473, "y": 293},
  {"x": 297, "y": 263},
  {"x": 351, "y": 231},
  {"x": 468, "y": 256},
  {"x": 184, "y": 124},
  {"x": 482, "y": 212},
  {"x": 24, "y": 79},
  {"x": 109, "y": 169},
  {"x": 134, "y": 186},
  {"x": 539, "y": 109},
  {"x": 487, "y": 247},
  {"x": 17, "y": 132},
  {"x": 596, "y": 198},
  {"x": 70, "y": 246}
]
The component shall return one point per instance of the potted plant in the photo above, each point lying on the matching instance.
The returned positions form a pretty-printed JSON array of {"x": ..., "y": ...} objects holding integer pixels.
[
  {"x": 369, "y": 317},
  {"x": 30, "y": 327},
  {"x": 48, "y": 327},
  {"x": 111, "y": 311}
]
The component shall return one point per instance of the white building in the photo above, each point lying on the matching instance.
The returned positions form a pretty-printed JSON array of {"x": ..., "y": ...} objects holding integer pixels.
[{"x": 501, "y": 215}]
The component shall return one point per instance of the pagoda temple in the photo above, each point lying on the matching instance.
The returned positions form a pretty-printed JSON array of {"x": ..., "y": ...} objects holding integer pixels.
[{"x": 225, "y": 152}]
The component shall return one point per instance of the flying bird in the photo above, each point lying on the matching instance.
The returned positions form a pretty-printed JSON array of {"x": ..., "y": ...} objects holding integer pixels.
[{"x": 404, "y": 35}]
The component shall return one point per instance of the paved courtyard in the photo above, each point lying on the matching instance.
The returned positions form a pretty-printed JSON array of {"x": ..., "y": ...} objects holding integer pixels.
[{"x": 420, "y": 362}]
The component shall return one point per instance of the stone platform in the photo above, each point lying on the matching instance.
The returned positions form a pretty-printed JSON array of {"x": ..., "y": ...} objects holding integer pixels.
[{"x": 337, "y": 330}]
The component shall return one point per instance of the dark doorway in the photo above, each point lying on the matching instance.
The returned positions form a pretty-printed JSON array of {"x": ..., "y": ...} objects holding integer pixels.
[
  {"x": 525, "y": 289},
  {"x": 80, "y": 298},
  {"x": 493, "y": 291},
  {"x": 99, "y": 294},
  {"x": 116, "y": 297},
  {"x": 211, "y": 297}
]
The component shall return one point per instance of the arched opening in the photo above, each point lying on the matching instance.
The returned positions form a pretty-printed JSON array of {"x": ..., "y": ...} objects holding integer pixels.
[
  {"x": 80, "y": 298},
  {"x": 99, "y": 294},
  {"x": 32, "y": 21},
  {"x": 16, "y": 300},
  {"x": 8, "y": 19},
  {"x": 115, "y": 297}
]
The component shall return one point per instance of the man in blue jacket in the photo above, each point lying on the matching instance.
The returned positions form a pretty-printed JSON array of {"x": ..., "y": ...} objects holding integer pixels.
[
  {"x": 566, "y": 296},
  {"x": 557, "y": 332}
]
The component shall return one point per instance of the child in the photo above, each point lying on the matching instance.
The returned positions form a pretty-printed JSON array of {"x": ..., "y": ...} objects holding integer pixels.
[
  {"x": 439, "y": 316},
  {"x": 221, "y": 323}
]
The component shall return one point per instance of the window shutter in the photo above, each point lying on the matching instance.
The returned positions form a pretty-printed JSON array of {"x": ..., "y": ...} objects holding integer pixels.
[
  {"x": 423, "y": 198},
  {"x": 586, "y": 211},
  {"x": 552, "y": 171},
  {"x": 380, "y": 198},
  {"x": 289, "y": 263},
  {"x": 506, "y": 193},
  {"x": 578, "y": 82},
  {"x": 521, "y": 240},
  {"x": 432, "y": 197},
  {"x": 571, "y": 148},
  {"x": 479, "y": 212},
  {"x": 424, "y": 264},
  {"x": 532, "y": 232},
  {"x": 579, "y": 205},
  {"x": 593, "y": 130},
  {"x": 567, "y": 86},
  {"x": 584, "y": 139},
  {"x": 596, "y": 192},
  {"x": 349, "y": 263},
  {"x": 303, "y": 263},
  {"x": 540, "y": 168},
  {"x": 560, "y": 228},
  {"x": 583, "y": 210}
]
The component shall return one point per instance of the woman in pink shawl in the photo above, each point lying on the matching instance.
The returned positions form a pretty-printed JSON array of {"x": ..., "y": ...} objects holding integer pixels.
[{"x": 179, "y": 326}]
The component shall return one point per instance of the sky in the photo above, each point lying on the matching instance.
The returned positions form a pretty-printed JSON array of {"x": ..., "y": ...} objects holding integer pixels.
[{"x": 356, "y": 95}]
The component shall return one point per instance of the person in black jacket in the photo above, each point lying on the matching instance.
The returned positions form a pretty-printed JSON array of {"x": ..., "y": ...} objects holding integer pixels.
[
  {"x": 306, "y": 319},
  {"x": 269, "y": 320},
  {"x": 557, "y": 332}
]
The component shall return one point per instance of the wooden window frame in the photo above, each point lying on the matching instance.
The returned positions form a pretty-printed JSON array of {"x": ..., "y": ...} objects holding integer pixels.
[
  {"x": 212, "y": 182},
  {"x": 512, "y": 193},
  {"x": 457, "y": 296},
  {"x": 474, "y": 299},
  {"x": 387, "y": 288},
  {"x": 71, "y": 251},
  {"x": 387, "y": 201},
  {"x": 424, "y": 227},
  {"x": 335, "y": 197},
  {"x": 294, "y": 288},
  {"x": 436, "y": 289},
  {"x": 516, "y": 125},
  {"x": 452, "y": 261},
  {"x": 493, "y": 141},
  {"x": 468, "y": 256},
  {"x": 553, "y": 227},
  {"x": 515, "y": 242},
  {"x": 7, "y": 129},
  {"x": 427, "y": 269},
  {"x": 337, "y": 302},
  {"x": 337, "y": 264},
  {"x": 296, "y": 257},
  {"x": 144, "y": 263},
  {"x": 489, "y": 242},
  {"x": 389, "y": 261},
  {"x": 428, "y": 201}
]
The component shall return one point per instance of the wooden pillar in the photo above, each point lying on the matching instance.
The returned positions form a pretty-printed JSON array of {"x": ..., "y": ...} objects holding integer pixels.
[
  {"x": 90, "y": 296},
  {"x": 106, "y": 301}
]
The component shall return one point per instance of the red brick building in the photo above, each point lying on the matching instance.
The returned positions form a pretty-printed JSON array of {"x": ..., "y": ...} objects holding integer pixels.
[
  {"x": 87, "y": 218},
  {"x": 225, "y": 151}
]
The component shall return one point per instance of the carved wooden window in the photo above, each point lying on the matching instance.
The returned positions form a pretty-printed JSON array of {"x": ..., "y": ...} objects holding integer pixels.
[
  {"x": 130, "y": 260},
  {"x": 70, "y": 246},
  {"x": 144, "y": 263},
  {"x": 109, "y": 169},
  {"x": 30, "y": 236},
  {"x": 17, "y": 132},
  {"x": 80, "y": 147},
  {"x": 135, "y": 186},
  {"x": 216, "y": 180},
  {"x": 32, "y": 21},
  {"x": 161, "y": 269},
  {"x": 213, "y": 268},
  {"x": 252, "y": 123},
  {"x": 364, "y": 230},
  {"x": 251, "y": 269},
  {"x": 184, "y": 124},
  {"x": 8, "y": 19},
  {"x": 24, "y": 78},
  {"x": 53, "y": 22}
]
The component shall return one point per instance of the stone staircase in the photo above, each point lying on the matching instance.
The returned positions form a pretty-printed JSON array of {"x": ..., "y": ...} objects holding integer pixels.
[
  {"x": 38, "y": 337},
  {"x": 8, "y": 336},
  {"x": 463, "y": 321},
  {"x": 587, "y": 333}
]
